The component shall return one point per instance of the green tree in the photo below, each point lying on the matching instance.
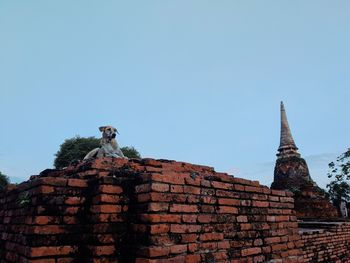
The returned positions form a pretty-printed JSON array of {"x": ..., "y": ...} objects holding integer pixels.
[
  {"x": 4, "y": 180},
  {"x": 130, "y": 152},
  {"x": 75, "y": 149},
  {"x": 339, "y": 171}
]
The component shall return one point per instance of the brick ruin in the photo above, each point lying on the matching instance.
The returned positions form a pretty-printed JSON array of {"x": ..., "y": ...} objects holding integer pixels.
[
  {"x": 113, "y": 210},
  {"x": 292, "y": 174},
  {"x": 157, "y": 211}
]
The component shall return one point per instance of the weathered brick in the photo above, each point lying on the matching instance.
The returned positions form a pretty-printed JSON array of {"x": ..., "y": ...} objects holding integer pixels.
[
  {"x": 183, "y": 208},
  {"x": 50, "y": 251},
  {"x": 110, "y": 189},
  {"x": 250, "y": 251},
  {"x": 178, "y": 249},
  {"x": 211, "y": 236},
  {"x": 184, "y": 228},
  {"x": 77, "y": 182},
  {"x": 105, "y": 209},
  {"x": 227, "y": 210},
  {"x": 228, "y": 201},
  {"x": 159, "y": 229},
  {"x": 102, "y": 250},
  {"x": 160, "y": 187},
  {"x": 156, "y": 207}
]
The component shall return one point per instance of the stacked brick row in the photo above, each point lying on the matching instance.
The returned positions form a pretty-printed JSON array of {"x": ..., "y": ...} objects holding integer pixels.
[
  {"x": 63, "y": 216},
  {"x": 157, "y": 211},
  {"x": 193, "y": 214},
  {"x": 330, "y": 243}
]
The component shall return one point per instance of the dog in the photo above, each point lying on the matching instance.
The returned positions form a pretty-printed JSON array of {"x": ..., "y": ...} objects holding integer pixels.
[{"x": 109, "y": 146}]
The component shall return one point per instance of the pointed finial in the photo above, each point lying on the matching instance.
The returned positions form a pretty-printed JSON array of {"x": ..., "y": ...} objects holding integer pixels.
[{"x": 287, "y": 146}]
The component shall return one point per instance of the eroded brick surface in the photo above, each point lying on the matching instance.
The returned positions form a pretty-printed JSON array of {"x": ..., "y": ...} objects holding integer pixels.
[{"x": 116, "y": 210}]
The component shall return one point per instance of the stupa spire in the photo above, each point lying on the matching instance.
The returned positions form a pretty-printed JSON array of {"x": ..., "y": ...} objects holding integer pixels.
[{"x": 287, "y": 146}]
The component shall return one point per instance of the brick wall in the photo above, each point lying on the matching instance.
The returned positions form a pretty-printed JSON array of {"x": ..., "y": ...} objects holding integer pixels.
[
  {"x": 325, "y": 242},
  {"x": 156, "y": 211}
]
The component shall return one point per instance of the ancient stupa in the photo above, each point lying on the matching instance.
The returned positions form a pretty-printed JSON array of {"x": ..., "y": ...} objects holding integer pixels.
[{"x": 292, "y": 173}]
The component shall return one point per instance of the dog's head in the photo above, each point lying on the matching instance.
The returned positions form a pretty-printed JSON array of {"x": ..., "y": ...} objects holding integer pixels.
[{"x": 108, "y": 132}]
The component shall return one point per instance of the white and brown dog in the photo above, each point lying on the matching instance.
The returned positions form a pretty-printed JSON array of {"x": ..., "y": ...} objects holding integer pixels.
[{"x": 109, "y": 146}]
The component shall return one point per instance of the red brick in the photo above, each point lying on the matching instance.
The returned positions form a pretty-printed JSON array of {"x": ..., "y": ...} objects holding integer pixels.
[
  {"x": 50, "y": 251},
  {"x": 227, "y": 210},
  {"x": 261, "y": 203},
  {"x": 279, "y": 247},
  {"x": 169, "y": 177},
  {"x": 143, "y": 197},
  {"x": 238, "y": 187},
  {"x": 65, "y": 260},
  {"x": 156, "y": 207},
  {"x": 105, "y": 209},
  {"x": 167, "y": 197},
  {"x": 193, "y": 258},
  {"x": 222, "y": 185},
  {"x": 159, "y": 229},
  {"x": 242, "y": 219},
  {"x": 160, "y": 187},
  {"x": 44, "y": 189},
  {"x": 70, "y": 220},
  {"x": 110, "y": 189},
  {"x": 155, "y": 251},
  {"x": 74, "y": 200},
  {"x": 158, "y": 218},
  {"x": 250, "y": 251},
  {"x": 228, "y": 201},
  {"x": 253, "y": 189},
  {"x": 176, "y": 189},
  {"x": 72, "y": 210},
  {"x": 47, "y": 230},
  {"x": 189, "y": 218},
  {"x": 224, "y": 245},
  {"x": 202, "y": 218},
  {"x": 47, "y": 260},
  {"x": 211, "y": 236},
  {"x": 192, "y": 190},
  {"x": 189, "y": 238},
  {"x": 193, "y": 247},
  {"x": 178, "y": 249},
  {"x": 55, "y": 181},
  {"x": 102, "y": 250},
  {"x": 106, "y": 198},
  {"x": 43, "y": 220},
  {"x": 143, "y": 188},
  {"x": 281, "y": 218},
  {"x": 271, "y": 240},
  {"x": 246, "y": 227},
  {"x": 279, "y": 192},
  {"x": 184, "y": 228},
  {"x": 209, "y": 199},
  {"x": 77, "y": 183},
  {"x": 183, "y": 208}
]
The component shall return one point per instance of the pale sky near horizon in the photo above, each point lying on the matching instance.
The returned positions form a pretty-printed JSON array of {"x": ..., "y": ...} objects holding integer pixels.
[{"x": 195, "y": 81}]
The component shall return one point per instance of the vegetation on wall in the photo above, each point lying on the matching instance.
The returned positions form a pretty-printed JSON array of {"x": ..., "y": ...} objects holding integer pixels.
[
  {"x": 4, "y": 180},
  {"x": 339, "y": 171}
]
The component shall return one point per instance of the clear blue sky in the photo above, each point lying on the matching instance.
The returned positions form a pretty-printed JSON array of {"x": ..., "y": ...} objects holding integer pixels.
[{"x": 196, "y": 81}]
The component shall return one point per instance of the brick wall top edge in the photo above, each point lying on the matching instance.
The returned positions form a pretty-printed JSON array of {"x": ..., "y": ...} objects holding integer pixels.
[{"x": 134, "y": 165}]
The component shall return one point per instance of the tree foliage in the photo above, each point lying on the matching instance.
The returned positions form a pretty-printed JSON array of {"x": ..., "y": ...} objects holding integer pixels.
[
  {"x": 4, "y": 180},
  {"x": 339, "y": 171},
  {"x": 75, "y": 149},
  {"x": 130, "y": 152}
]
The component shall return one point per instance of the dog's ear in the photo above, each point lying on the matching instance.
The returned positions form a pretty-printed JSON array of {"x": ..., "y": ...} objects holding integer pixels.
[
  {"x": 102, "y": 128},
  {"x": 116, "y": 130}
]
